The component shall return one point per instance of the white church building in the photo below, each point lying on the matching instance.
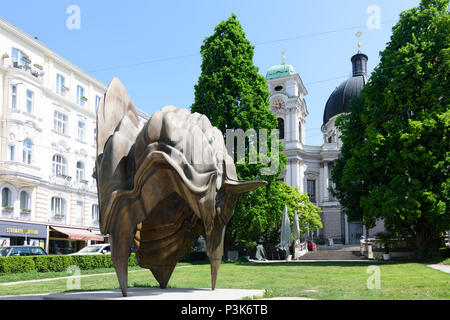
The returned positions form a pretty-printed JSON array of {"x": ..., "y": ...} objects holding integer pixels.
[{"x": 309, "y": 167}]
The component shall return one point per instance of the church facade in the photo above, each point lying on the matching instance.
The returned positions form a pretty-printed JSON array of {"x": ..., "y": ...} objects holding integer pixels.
[{"x": 309, "y": 167}]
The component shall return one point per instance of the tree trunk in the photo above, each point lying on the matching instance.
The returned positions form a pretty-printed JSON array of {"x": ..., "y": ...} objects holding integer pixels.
[{"x": 421, "y": 245}]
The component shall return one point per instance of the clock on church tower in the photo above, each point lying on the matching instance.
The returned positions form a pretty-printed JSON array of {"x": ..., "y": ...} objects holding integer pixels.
[{"x": 287, "y": 102}]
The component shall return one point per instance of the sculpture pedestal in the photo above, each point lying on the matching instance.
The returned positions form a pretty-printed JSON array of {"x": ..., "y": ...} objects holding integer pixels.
[{"x": 158, "y": 294}]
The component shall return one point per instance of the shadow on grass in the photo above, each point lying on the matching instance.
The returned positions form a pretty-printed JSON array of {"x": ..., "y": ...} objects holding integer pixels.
[{"x": 400, "y": 260}]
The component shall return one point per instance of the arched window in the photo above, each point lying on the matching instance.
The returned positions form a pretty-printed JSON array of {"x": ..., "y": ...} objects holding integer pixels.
[
  {"x": 281, "y": 127},
  {"x": 25, "y": 202},
  {"x": 80, "y": 171},
  {"x": 6, "y": 198},
  {"x": 95, "y": 213},
  {"x": 58, "y": 207},
  {"x": 27, "y": 151},
  {"x": 59, "y": 165}
]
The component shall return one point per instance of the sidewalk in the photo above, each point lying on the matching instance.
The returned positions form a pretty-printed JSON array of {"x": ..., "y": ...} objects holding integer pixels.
[
  {"x": 147, "y": 294},
  {"x": 72, "y": 277},
  {"x": 440, "y": 267}
]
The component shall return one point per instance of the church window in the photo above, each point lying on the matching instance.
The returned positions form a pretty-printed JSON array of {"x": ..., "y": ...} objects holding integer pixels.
[
  {"x": 278, "y": 88},
  {"x": 281, "y": 127},
  {"x": 311, "y": 189}
]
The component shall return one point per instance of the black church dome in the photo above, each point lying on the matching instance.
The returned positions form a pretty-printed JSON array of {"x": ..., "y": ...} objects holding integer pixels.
[{"x": 350, "y": 89}]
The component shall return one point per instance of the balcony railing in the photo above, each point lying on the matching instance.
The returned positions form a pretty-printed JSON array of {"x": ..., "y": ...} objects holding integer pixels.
[{"x": 34, "y": 71}]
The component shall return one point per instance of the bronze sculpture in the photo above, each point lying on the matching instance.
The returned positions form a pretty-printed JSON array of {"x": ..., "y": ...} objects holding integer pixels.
[{"x": 162, "y": 186}]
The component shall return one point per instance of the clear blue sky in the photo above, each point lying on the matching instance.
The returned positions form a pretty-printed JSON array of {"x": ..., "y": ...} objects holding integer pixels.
[{"x": 317, "y": 35}]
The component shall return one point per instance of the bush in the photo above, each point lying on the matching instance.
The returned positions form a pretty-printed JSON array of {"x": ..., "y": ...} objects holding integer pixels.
[
  {"x": 444, "y": 252},
  {"x": 194, "y": 256},
  {"x": 17, "y": 264},
  {"x": 58, "y": 263}
]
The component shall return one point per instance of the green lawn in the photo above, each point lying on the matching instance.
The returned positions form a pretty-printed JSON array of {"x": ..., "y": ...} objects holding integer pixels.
[{"x": 325, "y": 280}]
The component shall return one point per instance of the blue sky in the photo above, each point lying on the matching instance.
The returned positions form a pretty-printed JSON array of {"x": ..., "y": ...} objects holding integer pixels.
[{"x": 153, "y": 46}]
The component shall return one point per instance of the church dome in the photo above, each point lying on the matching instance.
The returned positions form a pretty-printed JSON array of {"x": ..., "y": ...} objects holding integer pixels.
[
  {"x": 279, "y": 71},
  {"x": 350, "y": 89}
]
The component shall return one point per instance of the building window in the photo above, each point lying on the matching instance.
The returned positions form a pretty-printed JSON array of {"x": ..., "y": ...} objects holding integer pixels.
[
  {"x": 60, "y": 88},
  {"x": 25, "y": 201},
  {"x": 95, "y": 213},
  {"x": 18, "y": 58},
  {"x": 80, "y": 96},
  {"x": 81, "y": 130},
  {"x": 13, "y": 96},
  {"x": 80, "y": 171},
  {"x": 27, "y": 151},
  {"x": 311, "y": 189},
  {"x": 97, "y": 102},
  {"x": 59, "y": 165},
  {"x": 60, "y": 122},
  {"x": 6, "y": 198},
  {"x": 281, "y": 127},
  {"x": 80, "y": 212},
  {"x": 12, "y": 152},
  {"x": 30, "y": 101},
  {"x": 95, "y": 136},
  {"x": 58, "y": 207}
]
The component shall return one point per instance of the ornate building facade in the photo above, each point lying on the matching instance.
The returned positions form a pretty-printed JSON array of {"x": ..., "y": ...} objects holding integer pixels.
[
  {"x": 309, "y": 167},
  {"x": 47, "y": 146}
]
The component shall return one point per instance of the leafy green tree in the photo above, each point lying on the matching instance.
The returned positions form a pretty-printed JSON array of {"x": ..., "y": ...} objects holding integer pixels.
[
  {"x": 396, "y": 142},
  {"x": 233, "y": 95},
  {"x": 308, "y": 214}
]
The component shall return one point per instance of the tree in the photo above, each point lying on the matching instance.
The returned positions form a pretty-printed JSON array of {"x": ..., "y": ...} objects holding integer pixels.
[
  {"x": 396, "y": 142},
  {"x": 233, "y": 95}
]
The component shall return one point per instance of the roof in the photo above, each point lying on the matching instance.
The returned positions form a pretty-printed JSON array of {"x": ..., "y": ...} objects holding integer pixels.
[
  {"x": 279, "y": 71},
  {"x": 339, "y": 100}
]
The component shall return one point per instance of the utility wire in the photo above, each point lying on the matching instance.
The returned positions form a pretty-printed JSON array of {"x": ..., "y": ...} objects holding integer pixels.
[{"x": 257, "y": 44}]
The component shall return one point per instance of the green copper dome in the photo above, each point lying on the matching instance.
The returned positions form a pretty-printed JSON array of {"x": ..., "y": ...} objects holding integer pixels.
[{"x": 279, "y": 71}]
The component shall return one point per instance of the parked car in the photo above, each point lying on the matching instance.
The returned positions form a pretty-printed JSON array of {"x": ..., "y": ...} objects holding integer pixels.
[
  {"x": 18, "y": 251},
  {"x": 104, "y": 248}
]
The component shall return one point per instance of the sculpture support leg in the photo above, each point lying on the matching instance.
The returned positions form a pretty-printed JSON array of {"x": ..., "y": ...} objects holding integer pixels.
[
  {"x": 121, "y": 266},
  {"x": 215, "y": 265},
  {"x": 120, "y": 252},
  {"x": 162, "y": 274},
  {"x": 214, "y": 250}
]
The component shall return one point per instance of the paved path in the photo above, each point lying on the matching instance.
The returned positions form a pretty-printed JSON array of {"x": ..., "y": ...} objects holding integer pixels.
[
  {"x": 147, "y": 294},
  {"x": 308, "y": 261},
  {"x": 440, "y": 267},
  {"x": 72, "y": 277}
]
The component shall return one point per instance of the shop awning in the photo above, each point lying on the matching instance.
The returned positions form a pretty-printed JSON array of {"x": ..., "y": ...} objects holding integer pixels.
[{"x": 78, "y": 234}]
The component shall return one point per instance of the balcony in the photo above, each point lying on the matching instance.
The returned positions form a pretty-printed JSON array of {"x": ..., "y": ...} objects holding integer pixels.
[
  {"x": 25, "y": 214},
  {"x": 35, "y": 70},
  {"x": 7, "y": 212},
  {"x": 58, "y": 219}
]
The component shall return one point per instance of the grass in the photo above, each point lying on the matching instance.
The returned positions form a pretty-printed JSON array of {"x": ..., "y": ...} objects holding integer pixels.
[{"x": 324, "y": 280}]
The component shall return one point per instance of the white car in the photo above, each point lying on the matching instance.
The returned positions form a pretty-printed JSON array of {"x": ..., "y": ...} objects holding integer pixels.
[{"x": 104, "y": 248}]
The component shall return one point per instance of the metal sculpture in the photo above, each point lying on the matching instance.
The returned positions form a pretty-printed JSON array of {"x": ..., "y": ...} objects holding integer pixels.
[{"x": 162, "y": 185}]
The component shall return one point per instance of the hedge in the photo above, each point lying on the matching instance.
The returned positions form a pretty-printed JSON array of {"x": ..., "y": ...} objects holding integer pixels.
[
  {"x": 445, "y": 252},
  {"x": 194, "y": 256},
  {"x": 62, "y": 263},
  {"x": 57, "y": 263}
]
